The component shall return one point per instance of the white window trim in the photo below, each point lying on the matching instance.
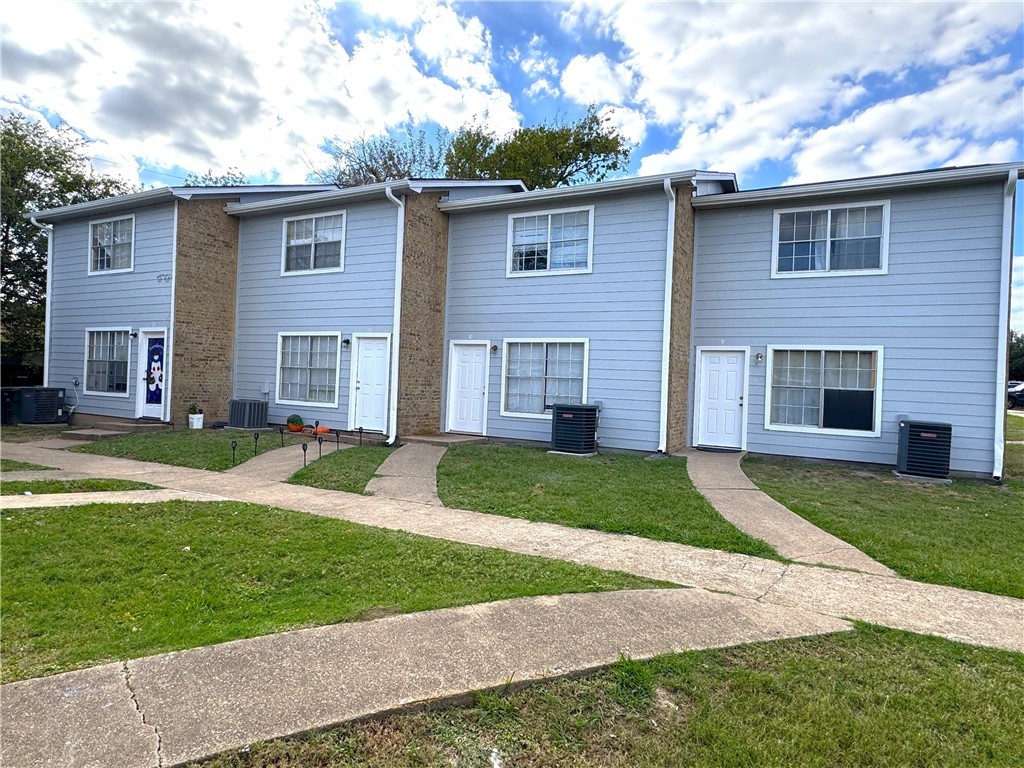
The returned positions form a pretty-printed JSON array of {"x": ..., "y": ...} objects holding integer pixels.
[
  {"x": 85, "y": 365},
  {"x": 769, "y": 367},
  {"x": 89, "y": 268},
  {"x": 884, "y": 258},
  {"x": 539, "y": 340},
  {"x": 277, "y": 370},
  {"x": 325, "y": 270},
  {"x": 548, "y": 272}
]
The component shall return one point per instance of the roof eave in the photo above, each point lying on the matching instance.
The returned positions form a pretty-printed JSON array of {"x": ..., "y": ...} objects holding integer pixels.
[
  {"x": 155, "y": 196},
  {"x": 574, "y": 192},
  {"x": 867, "y": 185}
]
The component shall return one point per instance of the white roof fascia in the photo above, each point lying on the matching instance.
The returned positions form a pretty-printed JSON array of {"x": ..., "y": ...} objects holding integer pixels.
[
  {"x": 158, "y": 195},
  {"x": 357, "y": 194},
  {"x": 320, "y": 199},
  {"x": 867, "y": 185},
  {"x": 579, "y": 191}
]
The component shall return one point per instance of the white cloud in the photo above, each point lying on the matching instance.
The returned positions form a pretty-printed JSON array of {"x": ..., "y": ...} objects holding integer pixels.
[
  {"x": 594, "y": 79},
  {"x": 628, "y": 122},
  {"x": 742, "y": 83},
  {"x": 921, "y": 130},
  {"x": 211, "y": 85},
  {"x": 539, "y": 88},
  {"x": 461, "y": 46}
]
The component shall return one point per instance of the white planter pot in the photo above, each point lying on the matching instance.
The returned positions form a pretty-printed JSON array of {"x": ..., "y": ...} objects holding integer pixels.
[{"x": 195, "y": 421}]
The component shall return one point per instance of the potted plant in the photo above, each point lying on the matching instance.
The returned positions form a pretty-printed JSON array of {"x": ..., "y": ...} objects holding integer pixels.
[
  {"x": 295, "y": 423},
  {"x": 195, "y": 417}
]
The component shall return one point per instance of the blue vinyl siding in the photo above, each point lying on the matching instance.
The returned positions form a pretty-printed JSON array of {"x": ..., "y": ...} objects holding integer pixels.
[
  {"x": 934, "y": 313},
  {"x": 618, "y": 307},
  {"x": 125, "y": 300},
  {"x": 358, "y": 300}
]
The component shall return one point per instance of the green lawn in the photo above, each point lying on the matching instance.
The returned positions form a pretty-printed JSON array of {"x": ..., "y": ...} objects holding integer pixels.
[
  {"x": 346, "y": 470},
  {"x": 92, "y": 485},
  {"x": 967, "y": 534},
  {"x": 28, "y": 433},
  {"x": 1015, "y": 427},
  {"x": 618, "y": 493},
  {"x": 85, "y": 585},
  {"x": 195, "y": 448},
  {"x": 11, "y": 465},
  {"x": 872, "y": 697}
]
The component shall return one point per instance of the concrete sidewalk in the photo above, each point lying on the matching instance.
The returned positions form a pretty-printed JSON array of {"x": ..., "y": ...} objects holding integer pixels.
[
  {"x": 410, "y": 474},
  {"x": 719, "y": 478},
  {"x": 183, "y": 706}
]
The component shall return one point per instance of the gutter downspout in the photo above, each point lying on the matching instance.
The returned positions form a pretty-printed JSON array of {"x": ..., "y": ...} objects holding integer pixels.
[
  {"x": 396, "y": 323},
  {"x": 48, "y": 229},
  {"x": 666, "y": 328},
  {"x": 169, "y": 341},
  {"x": 1003, "y": 332}
]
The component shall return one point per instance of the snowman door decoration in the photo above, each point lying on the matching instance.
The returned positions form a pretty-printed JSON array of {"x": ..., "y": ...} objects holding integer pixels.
[{"x": 155, "y": 378}]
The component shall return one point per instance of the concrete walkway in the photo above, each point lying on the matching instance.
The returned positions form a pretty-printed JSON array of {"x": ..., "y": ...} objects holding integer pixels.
[
  {"x": 186, "y": 705},
  {"x": 719, "y": 478},
  {"x": 279, "y": 464},
  {"x": 178, "y": 707},
  {"x": 410, "y": 474}
]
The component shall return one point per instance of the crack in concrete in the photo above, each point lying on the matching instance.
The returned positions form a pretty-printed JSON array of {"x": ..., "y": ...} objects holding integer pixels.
[
  {"x": 774, "y": 584},
  {"x": 142, "y": 715}
]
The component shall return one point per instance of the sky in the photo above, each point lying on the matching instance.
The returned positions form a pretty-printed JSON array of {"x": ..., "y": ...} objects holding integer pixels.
[{"x": 777, "y": 93}]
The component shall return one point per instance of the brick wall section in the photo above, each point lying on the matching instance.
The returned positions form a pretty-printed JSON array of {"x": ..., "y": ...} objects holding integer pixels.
[
  {"x": 679, "y": 339},
  {"x": 204, "y": 310},
  {"x": 421, "y": 350}
]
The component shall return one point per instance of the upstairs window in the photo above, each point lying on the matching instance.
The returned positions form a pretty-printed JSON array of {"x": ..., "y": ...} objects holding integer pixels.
[
  {"x": 314, "y": 244},
  {"x": 549, "y": 242},
  {"x": 838, "y": 240},
  {"x": 112, "y": 245}
]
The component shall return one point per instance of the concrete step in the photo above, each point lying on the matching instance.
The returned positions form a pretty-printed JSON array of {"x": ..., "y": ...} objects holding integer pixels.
[
  {"x": 443, "y": 440},
  {"x": 135, "y": 427},
  {"x": 91, "y": 434}
]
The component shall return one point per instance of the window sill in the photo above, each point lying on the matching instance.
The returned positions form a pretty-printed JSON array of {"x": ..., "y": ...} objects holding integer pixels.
[
  {"x": 104, "y": 394},
  {"x": 549, "y": 272},
  {"x": 325, "y": 271},
  {"x": 92, "y": 272},
  {"x": 519, "y": 415},
  {"x": 307, "y": 403},
  {"x": 824, "y": 431},
  {"x": 828, "y": 273}
]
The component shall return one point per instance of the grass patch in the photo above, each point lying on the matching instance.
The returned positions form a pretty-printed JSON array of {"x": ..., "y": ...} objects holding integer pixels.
[
  {"x": 346, "y": 470},
  {"x": 1015, "y": 427},
  {"x": 618, "y": 493},
  {"x": 872, "y": 697},
  {"x": 86, "y": 585},
  {"x": 28, "y": 433},
  {"x": 90, "y": 485},
  {"x": 195, "y": 448},
  {"x": 967, "y": 534},
  {"x": 12, "y": 465}
]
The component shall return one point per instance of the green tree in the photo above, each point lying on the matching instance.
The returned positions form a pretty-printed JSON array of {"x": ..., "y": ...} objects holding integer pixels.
[
  {"x": 554, "y": 154},
  {"x": 1016, "y": 356},
  {"x": 230, "y": 178},
  {"x": 548, "y": 155},
  {"x": 385, "y": 158},
  {"x": 40, "y": 169}
]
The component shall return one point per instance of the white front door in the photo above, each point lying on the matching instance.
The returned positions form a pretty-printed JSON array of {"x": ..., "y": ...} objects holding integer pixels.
[
  {"x": 720, "y": 422},
  {"x": 370, "y": 368},
  {"x": 467, "y": 387},
  {"x": 152, "y": 377}
]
